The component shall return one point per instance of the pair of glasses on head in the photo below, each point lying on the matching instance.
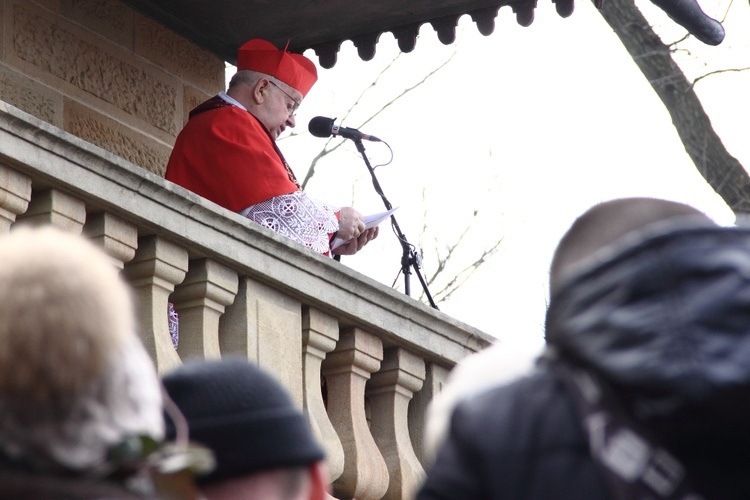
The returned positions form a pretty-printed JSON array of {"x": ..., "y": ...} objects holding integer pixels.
[{"x": 292, "y": 108}]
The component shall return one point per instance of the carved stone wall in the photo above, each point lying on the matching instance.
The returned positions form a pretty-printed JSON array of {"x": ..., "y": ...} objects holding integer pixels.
[{"x": 104, "y": 73}]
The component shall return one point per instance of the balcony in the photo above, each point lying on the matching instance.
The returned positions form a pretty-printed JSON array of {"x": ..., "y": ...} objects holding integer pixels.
[{"x": 361, "y": 359}]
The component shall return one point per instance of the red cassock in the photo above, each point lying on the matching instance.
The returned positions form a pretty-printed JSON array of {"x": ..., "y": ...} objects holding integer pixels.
[{"x": 226, "y": 155}]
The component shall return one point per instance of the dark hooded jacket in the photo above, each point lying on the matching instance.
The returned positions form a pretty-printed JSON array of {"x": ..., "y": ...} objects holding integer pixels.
[{"x": 649, "y": 340}]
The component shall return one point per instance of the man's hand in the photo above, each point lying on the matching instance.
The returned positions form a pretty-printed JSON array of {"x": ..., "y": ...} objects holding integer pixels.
[
  {"x": 355, "y": 244},
  {"x": 351, "y": 224}
]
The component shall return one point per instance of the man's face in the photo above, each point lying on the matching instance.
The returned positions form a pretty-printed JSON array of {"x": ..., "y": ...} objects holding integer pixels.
[{"x": 279, "y": 107}]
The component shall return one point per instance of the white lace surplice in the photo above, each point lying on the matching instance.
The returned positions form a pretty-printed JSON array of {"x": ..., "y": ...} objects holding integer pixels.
[{"x": 298, "y": 217}]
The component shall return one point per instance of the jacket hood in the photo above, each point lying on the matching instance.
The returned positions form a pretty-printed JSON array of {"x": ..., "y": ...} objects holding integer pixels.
[{"x": 668, "y": 313}]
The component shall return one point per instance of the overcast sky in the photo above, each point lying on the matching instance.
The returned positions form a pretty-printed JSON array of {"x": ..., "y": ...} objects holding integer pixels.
[{"x": 529, "y": 126}]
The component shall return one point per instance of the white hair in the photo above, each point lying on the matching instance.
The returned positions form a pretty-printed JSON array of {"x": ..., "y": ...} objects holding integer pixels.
[{"x": 75, "y": 378}]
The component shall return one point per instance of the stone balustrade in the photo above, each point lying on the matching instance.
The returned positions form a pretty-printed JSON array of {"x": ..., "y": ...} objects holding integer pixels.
[{"x": 361, "y": 359}]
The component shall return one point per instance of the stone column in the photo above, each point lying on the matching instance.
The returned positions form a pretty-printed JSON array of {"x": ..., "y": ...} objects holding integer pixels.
[
  {"x": 157, "y": 267},
  {"x": 436, "y": 376},
  {"x": 52, "y": 206},
  {"x": 200, "y": 301},
  {"x": 389, "y": 392},
  {"x": 264, "y": 325},
  {"x": 347, "y": 369},
  {"x": 15, "y": 194},
  {"x": 320, "y": 332}
]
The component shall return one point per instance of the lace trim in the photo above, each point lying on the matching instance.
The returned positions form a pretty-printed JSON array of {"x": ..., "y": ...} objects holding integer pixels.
[
  {"x": 298, "y": 217},
  {"x": 174, "y": 325}
]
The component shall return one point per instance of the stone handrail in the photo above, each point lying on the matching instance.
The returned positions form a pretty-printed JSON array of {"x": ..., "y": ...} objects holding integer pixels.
[{"x": 362, "y": 359}]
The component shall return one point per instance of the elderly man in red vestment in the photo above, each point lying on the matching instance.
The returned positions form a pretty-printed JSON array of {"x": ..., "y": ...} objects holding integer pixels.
[{"x": 227, "y": 152}]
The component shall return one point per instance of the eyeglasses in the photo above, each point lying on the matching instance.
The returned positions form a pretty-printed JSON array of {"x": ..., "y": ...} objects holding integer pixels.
[{"x": 293, "y": 110}]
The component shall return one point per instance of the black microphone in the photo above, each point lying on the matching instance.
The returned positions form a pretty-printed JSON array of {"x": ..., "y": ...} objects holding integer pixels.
[{"x": 320, "y": 126}]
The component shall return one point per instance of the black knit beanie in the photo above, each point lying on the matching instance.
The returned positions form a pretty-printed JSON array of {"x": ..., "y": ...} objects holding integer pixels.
[{"x": 243, "y": 415}]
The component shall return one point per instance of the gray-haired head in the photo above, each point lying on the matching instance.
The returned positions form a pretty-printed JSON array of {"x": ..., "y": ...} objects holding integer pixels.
[{"x": 75, "y": 379}]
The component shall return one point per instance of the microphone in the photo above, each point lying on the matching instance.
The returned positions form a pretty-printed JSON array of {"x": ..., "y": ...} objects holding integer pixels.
[{"x": 320, "y": 126}]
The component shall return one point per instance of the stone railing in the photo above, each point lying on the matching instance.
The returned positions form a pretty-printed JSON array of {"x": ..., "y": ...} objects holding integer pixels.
[{"x": 361, "y": 359}]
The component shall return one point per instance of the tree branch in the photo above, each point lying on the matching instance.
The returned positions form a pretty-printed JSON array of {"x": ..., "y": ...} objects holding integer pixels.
[
  {"x": 724, "y": 173},
  {"x": 327, "y": 149}
]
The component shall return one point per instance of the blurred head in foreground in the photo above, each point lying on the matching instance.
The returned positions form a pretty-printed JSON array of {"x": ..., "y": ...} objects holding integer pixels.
[
  {"x": 263, "y": 444},
  {"x": 75, "y": 380},
  {"x": 643, "y": 387},
  {"x": 604, "y": 225}
]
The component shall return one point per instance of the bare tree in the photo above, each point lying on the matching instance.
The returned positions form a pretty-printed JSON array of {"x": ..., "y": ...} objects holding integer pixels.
[
  {"x": 724, "y": 173},
  {"x": 446, "y": 277},
  {"x": 328, "y": 148},
  {"x": 442, "y": 254}
]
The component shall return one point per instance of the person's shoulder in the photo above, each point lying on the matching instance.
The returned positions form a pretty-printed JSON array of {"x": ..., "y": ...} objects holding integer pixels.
[
  {"x": 216, "y": 108},
  {"x": 494, "y": 366},
  {"x": 534, "y": 388},
  {"x": 536, "y": 404},
  {"x": 224, "y": 113},
  {"x": 226, "y": 123},
  {"x": 528, "y": 430}
]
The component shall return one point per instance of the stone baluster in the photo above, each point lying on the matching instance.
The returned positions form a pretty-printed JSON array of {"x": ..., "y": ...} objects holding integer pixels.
[
  {"x": 391, "y": 389},
  {"x": 116, "y": 236},
  {"x": 346, "y": 370},
  {"x": 157, "y": 267},
  {"x": 436, "y": 376},
  {"x": 200, "y": 301},
  {"x": 15, "y": 194},
  {"x": 264, "y": 325},
  {"x": 320, "y": 332},
  {"x": 52, "y": 206}
]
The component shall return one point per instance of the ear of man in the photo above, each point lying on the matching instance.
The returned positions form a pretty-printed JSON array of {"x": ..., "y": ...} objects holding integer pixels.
[{"x": 260, "y": 90}]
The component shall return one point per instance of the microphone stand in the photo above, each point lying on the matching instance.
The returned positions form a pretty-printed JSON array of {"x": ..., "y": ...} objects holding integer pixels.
[{"x": 409, "y": 258}]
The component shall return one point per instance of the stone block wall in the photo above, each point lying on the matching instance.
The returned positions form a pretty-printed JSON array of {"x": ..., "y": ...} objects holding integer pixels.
[{"x": 105, "y": 73}]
